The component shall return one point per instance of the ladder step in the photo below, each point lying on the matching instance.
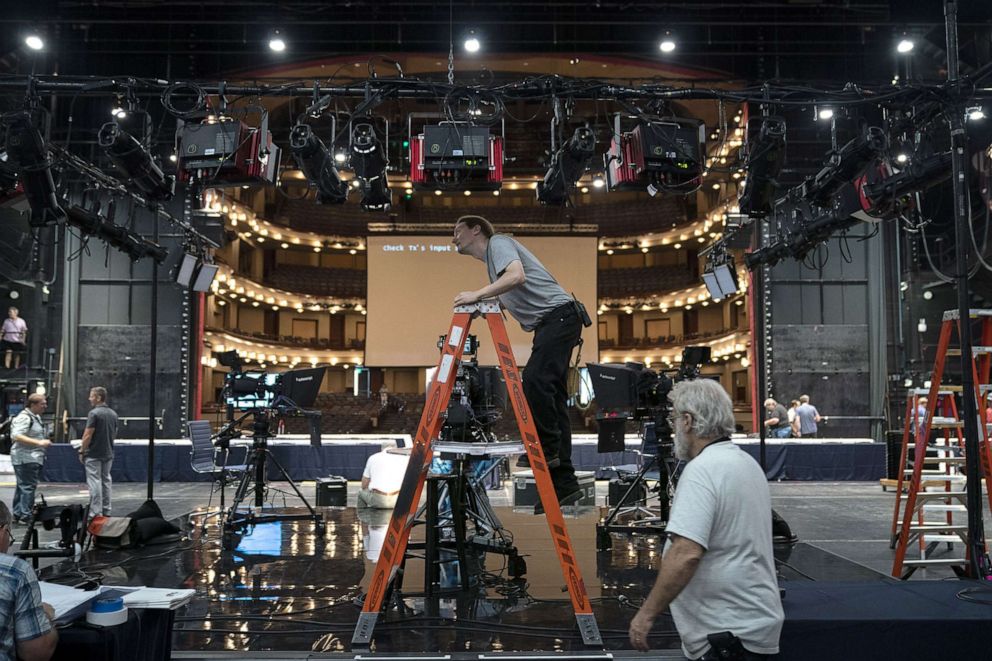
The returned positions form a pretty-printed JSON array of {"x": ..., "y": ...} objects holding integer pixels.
[
  {"x": 935, "y": 562},
  {"x": 975, "y": 350},
  {"x": 936, "y": 424},
  {"x": 957, "y": 459},
  {"x": 954, "y": 315},
  {"x": 944, "y": 507},
  {"x": 942, "y": 539},
  {"x": 937, "y": 527},
  {"x": 934, "y": 495},
  {"x": 933, "y": 474}
]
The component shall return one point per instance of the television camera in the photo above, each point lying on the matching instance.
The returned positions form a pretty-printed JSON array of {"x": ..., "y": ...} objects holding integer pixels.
[
  {"x": 478, "y": 397},
  {"x": 632, "y": 391},
  {"x": 263, "y": 396}
]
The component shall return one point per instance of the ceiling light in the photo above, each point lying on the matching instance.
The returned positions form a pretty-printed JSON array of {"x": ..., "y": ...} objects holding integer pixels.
[
  {"x": 667, "y": 44},
  {"x": 277, "y": 43},
  {"x": 825, "y": 113},
  {"x": 975, "y": 114},
  {"x": 902, "y": 158},
  {"x": 472, "y": 43},
  {"x": 34, "y": 42},
  {"x": 905, "y": 45},
  {"x": 598, "y": 182}
]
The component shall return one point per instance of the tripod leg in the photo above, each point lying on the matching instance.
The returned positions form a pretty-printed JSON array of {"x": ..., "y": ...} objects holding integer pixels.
[
  {"x": 318, "y": 518},
  {"x": 637, "y": 482}
]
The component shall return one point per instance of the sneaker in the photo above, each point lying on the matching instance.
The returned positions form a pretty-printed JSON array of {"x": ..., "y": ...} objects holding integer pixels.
[{"x": 567, "y": 499}]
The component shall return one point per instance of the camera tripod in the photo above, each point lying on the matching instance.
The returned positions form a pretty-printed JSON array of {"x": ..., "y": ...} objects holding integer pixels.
[
  {"x": 628, "y": 516},
  {"x": 254, "y": 479}
]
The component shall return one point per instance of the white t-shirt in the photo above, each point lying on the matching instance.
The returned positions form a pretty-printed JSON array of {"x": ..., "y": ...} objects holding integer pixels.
[
  {"x": 723, "y": 504},
  {"x": 385, "y": 471}
]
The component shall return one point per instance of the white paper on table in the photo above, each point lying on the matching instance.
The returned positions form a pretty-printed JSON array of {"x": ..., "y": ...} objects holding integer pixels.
[{"x": 64, "y": 599}]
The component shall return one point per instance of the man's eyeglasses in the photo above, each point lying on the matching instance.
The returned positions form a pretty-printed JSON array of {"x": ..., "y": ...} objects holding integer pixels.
[{"x": 6, "y": 526}]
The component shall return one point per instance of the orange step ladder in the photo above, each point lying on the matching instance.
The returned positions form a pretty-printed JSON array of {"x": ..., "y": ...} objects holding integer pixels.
[
  {"x": 947, "y": 500},
  {"x": 939, "y": 476},
  {"x": 404, "y": 514}
]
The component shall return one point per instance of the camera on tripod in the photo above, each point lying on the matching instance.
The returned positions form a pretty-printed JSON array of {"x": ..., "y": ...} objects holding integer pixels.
[
  {"x": 632, "y": 391},
  {"x": 267, "y": 394},
  {"x": 478, "y": 397}
]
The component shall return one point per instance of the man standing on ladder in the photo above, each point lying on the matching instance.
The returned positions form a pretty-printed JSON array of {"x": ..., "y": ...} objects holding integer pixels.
[{"x": 536, "y": 300}]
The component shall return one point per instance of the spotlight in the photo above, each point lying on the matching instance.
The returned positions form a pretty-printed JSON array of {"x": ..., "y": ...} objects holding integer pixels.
[
  {"x": 905, "y": 45},
  {"x": 369, "y": 162},
  {"x": 567, "y": 165},
  {"x": 598, "y": 182},
  {"x": 131, "y": 158},
  {"x": 825, "y": 113},
  {"x": 472, "y": 43},
  {"x": 844, "y": 165},
  {"x": 927, "y": 295},
  {"x": 763, "y": 157},
  {"x": 901, "y": 158},
  {"x": 667, "y": 44},
  {"x": 975, "y": 113},
  {"x": 34, "y": 42},
  {"x": 312, "y": 157},
  {"x": 136, "y": 247},
  {"x": 28, "y": 155},
  {"x": 277, "y": 43},
  {"x": 185, "y": 269}
]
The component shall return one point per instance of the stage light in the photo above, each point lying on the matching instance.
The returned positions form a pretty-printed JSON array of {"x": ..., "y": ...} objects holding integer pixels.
[
  {"x": 598, "y": 182},
  {"x": 131, "y": 158},
  {"x": 927, "y": 295},
  {"x": 313, "y": 159},
  {"x": 667, "y": 44},
  {"x": 568, "y": 164},
  {"x": 472, "y": 43},
  {"x": 844, "y": 165},
  {"x": 825, "y": 113},
  {"x": 119, "y": 112},
  {"x": 369, "y": 162},
  {"x": 185, "y": 269},
  {"x": 34, "y": 42},
  {"x": 28, "y": 155},
  {"x": 135, "y": 246},
  {"x": 902, "y": 158},
  {"x": 905, "y": 45},
  {"x": 340, "y": 156},
  {"x": 277, "y": 43},
  {"x": 763, "y": 156},
  {"x": 974, "y": 114}
]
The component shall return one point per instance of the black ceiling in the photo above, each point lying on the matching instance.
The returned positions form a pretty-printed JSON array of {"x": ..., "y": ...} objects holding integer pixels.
[{"x": 797, "y": 39}]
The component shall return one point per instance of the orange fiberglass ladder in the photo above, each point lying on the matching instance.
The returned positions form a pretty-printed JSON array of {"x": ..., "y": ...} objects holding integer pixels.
[
  {"x": 948, "y": 499},
  {"x": 404, "y": 514},
  {"x": 944, "y": 474}
]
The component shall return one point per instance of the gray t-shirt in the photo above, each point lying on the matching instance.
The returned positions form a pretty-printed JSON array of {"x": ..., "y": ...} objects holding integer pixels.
[
  {"x": 723, "y": 504},
  {"x": 807, "y": 418},
  {"x": 27, "y": 424},
  {"x": 537, "y": 296},
  {"x": 103, "y": 421},
  {"x": 781, "y": 414}
]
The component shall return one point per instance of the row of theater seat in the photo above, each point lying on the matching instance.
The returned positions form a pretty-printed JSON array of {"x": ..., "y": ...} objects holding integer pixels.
[
  {"x": 641, "y": 281},
  {"x": 343, "y": 283},
  {"x": 661, "y": 341}
]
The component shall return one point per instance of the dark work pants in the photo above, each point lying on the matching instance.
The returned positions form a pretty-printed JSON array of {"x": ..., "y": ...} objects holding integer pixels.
[{"x": 545, "y": 387}]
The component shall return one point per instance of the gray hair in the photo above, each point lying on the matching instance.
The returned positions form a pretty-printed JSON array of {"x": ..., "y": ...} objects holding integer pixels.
[
  {"x": 100, "y": 392},
  {"x": 804, "y": 399},
  {"x": 5, "y": 517},
  {"x": 709, "y": 405}
]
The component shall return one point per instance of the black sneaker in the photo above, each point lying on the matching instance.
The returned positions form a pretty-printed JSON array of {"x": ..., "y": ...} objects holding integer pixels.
[
  {"x": 567, "y": 499},
  {"x": 551, "y": 461}
]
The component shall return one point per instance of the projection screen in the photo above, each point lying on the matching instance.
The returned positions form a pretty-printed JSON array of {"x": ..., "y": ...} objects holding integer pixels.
[{"x": 413, "y": 280}]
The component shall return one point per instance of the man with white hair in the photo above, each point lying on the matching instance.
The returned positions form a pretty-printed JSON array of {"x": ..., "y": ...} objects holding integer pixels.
[{"x": 717, "y": 572}]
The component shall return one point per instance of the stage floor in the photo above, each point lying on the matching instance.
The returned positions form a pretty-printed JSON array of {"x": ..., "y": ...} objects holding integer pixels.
[{"x": 288, "y": 593}]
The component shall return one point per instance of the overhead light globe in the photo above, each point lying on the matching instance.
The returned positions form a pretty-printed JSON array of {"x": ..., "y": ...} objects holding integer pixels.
[
  {"x": 667, "y": 45},
  {"x": 905, "y": 45},
  {"x": 472, "y": 43},
  {"x": 277, "y": 43},
  {"x": 34, "y": 42}
]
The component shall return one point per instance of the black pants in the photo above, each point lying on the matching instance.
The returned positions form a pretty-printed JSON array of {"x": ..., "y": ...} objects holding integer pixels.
[{"x": 545, "y": 386}]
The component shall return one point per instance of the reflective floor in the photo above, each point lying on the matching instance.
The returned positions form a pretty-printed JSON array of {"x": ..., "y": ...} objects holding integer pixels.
[{"x": 282, "y": 587}]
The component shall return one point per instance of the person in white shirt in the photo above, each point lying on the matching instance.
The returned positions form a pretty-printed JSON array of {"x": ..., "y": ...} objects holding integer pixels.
[
  {"x": 382, "y": 477},
  {"x": 717, "y": 572},
  {"x": 27, "y": 454},
  {"x": 13, "y": 339}
]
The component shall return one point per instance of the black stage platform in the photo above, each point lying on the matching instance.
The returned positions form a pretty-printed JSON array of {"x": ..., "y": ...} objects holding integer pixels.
[{"x": 282, "y": 591}]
